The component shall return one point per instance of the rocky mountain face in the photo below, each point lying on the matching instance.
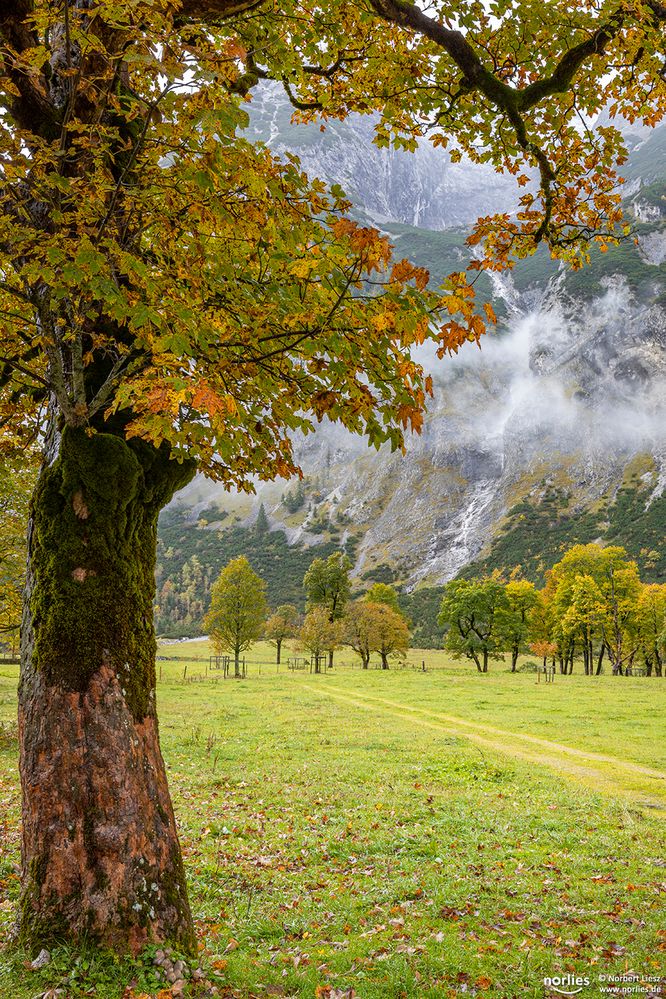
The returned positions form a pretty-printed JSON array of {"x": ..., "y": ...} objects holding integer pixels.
[
  {"x": 553, "y": 432},
  {"x": 423, "y": 189}
]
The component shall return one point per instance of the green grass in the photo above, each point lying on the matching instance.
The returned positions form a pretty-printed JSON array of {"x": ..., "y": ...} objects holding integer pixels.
[{"x": 398, "y": 834}]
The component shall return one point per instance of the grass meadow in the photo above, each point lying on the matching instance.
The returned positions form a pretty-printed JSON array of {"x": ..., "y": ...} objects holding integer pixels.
[{"x": 395, "y": 834}]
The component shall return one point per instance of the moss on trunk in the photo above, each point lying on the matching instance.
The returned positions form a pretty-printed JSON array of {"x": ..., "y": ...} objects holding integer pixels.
[
  {"x": 101, "y": 857},
  {"x": 94, "y": 522}
]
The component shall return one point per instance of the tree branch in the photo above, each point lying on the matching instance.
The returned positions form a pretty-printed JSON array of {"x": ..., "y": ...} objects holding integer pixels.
[
  {"x": 212, "y": 11},
  {"x": 475, "y": 74},
  {"x": 31, "y": 108}
]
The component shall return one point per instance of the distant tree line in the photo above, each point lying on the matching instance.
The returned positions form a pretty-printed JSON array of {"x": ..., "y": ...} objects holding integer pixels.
[
  {"x": 18, "y": 473},
  {"x": 190, "y": 558},
  {"x": 239, "y": 615},
  {"x": 594, "y": 608}
]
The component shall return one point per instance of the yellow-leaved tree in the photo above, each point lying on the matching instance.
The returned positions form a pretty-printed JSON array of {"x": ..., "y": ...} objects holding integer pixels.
[{"x": 176, "y": 298}]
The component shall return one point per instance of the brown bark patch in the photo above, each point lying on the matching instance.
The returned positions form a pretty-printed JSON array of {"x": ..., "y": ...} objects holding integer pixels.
[
  {"x": 99, "y": 821},
  {"x": 80, "y": 575},
  {"x": 79, "y": 505}
]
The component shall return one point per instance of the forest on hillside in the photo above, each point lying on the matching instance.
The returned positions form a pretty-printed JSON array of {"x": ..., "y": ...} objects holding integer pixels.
[{"x": 533, "y": 537}]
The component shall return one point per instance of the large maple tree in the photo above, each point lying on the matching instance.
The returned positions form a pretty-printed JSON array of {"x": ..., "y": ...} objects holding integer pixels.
[{"x": 174, "y": 297}]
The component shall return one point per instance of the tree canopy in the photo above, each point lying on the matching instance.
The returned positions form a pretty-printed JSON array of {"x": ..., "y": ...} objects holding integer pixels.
[
  {"x": 327, "y": 584},
  {"x": 237, "y": 608},
  {"x": 283, "y": 623},
  {"x": 382, "y": 593},
  {"x": 161, "y": 271}
]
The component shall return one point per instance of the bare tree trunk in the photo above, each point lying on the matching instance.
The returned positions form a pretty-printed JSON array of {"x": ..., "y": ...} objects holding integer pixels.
[
  {"x": 600, "y": 660},
  {"x": 101, "y": 858},
  {"x": 658, "y": 669}
]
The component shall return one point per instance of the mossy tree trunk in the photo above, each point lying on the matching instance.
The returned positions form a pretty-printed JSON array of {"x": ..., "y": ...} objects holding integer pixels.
[{"x": 101, "y": 857}]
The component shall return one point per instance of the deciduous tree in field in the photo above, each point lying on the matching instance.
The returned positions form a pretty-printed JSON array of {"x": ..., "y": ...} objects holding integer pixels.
[
  {"x": 358, "y": 630},
  {"x": 318, "y": 634},
  {"x": 515, "y": 617},
  {"x": 238, "y": 609},
  {"x": 176, "y": 298},
  {"x": 470, "y": 612},
  {"x": 651, "y": 622},
  {"x": 390, "y": 633},
  {"x": 327, "y": 585},
  {"x": 620, "y": 622},
  {"x": 282, "y": 624},
  {"x": 593, "y": 592},
  {"x": 580, "y": 609}
]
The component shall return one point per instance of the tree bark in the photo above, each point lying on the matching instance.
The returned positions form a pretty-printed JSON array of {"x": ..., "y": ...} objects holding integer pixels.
[
  {"x": 278, "y": 645},
  {"x": 657, "y": 662},
  {"x": 385, "y": 662},
  {"x": 100, "y": 853},
  {"x": 600, "y": 660}
]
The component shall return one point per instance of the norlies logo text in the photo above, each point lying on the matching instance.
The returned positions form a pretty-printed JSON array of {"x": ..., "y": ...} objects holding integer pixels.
[{"x": 564, "y": 984}]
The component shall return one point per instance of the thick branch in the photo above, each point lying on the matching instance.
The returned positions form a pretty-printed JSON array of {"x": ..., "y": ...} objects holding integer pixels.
[
  {"x": 475, "y": 74},
  {"x": 212, "y": 11},
  {"x": 32, "y": 108},
  {"x": 13, "y": 27}
]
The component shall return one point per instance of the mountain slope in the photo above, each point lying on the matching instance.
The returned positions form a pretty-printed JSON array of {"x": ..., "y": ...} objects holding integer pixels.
[{"x": 552, "y": 433}]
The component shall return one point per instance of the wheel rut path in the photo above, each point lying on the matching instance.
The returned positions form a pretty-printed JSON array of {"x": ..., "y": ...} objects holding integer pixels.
[{"x": 644, "y": 786}]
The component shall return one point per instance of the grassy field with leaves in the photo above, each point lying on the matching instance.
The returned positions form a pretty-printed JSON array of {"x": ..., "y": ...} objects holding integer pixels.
[{"x": 395, "y": 834}]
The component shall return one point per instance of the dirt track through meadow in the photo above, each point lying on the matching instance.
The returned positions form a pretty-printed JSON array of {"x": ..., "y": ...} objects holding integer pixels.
[{"x": 606, "y": 774}]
